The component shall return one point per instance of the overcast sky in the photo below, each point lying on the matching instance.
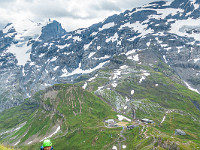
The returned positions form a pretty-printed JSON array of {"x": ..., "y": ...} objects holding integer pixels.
[{"x": 72, "y": 14}]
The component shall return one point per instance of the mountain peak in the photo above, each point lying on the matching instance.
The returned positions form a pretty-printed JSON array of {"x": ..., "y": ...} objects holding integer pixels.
[{"x": 52, "y": 30}]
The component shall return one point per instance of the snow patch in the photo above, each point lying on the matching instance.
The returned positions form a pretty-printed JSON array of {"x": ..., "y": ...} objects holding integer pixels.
[
  {"x": 23, "y": 71},
  {"x": 114, "y": 84},
  {"x": 65, "y": 71},
  {"x": 197, "y": 59},
  {"x": 127, "y": 99},
  {"x": 30, "y": 142},
  {"x": 179, "y": 49},
  {"x": 133, "y": 38},
  {"x": 99, "y": 88},
  {"x": 93, "y": 78},
  {"x": 77, "y": 38},
  {"x": 91, "y": 54},
  {"x": 105, "y": 57},
  {"x": 142, "y": 78},
  {"x": 25, "y": 28},
  {"x": 163, "y": 13},
  {"x": 63, "y": 46},
  {"x": 124, "y": 67},
  {"x": 45, "y": 84},
  {"x": 164, "y": 45},
  {"x": 138, "y": 27},
  {"x": 119, "y": 42},
  {"x": 107, "y": 26},
  {"x": 54, "y": 59},
  {"x": 87, "y": 46},
  {"x": 165, "y": 59},
  {"x": 55, "y": 68},
  {"x": 196, "y": 6},
  {"x": 130, "y": 52},
  {"x": 192, "y": 89},
  {"x": 98, "y": 47},
  {"x": 134, "y": 57},
  {"x": 117, "y": 73},
  {"x": 58, "y": 128},
  {"x": 22, "y": 52},
  {"x": 132, "y": 92},
  {"x": 16, "y": 143},
  {"x": 79, "y": 31},
  {"x": 123, "y": 146},
  {"x": 181, "y": 26},
  {"x": 69, "y": 37},
  {"x": 85, "y": 85},
  {"x": 80, "y": 71},
  {"x": 113, "y": 38},
  {"x": 14, "y": 129},
  {"x": 120, "y": 118},
  {"x": 94, "y": 33},
  {"x": 65, "y": 53},
  {"x": 144, "y": 75},
  {"x": 41, "y": 55},
  {"x": 45, "y": 44},
  {"x": 163, "y": 120}
]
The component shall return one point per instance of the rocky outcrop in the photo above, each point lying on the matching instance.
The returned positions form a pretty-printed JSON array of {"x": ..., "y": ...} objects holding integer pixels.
[
  {"x": 179, "y": 132},
  {"x": 52, "y": 30},
  {"x": 165, "y": 144}
]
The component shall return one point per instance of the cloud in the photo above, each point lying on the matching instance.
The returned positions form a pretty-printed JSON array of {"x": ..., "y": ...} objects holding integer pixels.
[
  {"x": 106, "y": 5},
  {"x": 7, "y": 1},
  {"x": 71, "y": 13},
  {"x": 2, "y": 25}
]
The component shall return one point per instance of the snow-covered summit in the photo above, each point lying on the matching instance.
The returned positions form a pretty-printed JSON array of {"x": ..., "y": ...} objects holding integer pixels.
[{"x": 24, "y": 29}]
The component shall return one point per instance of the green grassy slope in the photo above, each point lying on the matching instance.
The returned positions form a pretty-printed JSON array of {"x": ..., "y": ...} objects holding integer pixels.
[
  {"x": 79, "y": 113},
  {"x": 160, "y": 94},
  {"x": 7, "y": 148}
]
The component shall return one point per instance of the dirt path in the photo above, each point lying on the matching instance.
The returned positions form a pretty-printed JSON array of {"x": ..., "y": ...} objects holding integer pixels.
[{"x": 122, "y": 136}]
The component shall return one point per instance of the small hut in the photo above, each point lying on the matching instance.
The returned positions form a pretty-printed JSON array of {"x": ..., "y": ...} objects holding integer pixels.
[{"x": 110, "y": 123}]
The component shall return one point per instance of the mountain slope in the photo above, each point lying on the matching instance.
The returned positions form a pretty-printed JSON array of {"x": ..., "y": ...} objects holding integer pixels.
[
  {"x": 139, "y": 63},
  {"x": 69, "y": 113},
  {"x": 63, "y": 108},
  {"x": 153, "y": 92},
  {"x": 56, "y": 56}
]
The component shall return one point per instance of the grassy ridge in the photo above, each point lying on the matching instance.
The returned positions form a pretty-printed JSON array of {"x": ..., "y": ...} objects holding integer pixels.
[{"x": 77, "y": 111}]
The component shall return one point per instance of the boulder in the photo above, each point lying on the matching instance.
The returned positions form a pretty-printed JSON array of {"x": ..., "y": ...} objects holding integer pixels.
[{"x": 179, "y": 132}]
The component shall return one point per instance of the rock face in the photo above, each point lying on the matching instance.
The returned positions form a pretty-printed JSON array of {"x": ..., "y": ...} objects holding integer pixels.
[
  {"x": 53, "y": 30},
  {"x": 34, "y": 56}
]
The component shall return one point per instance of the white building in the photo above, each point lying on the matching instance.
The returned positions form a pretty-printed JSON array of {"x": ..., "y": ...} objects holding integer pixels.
[{"x": 110, "y": 123}]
